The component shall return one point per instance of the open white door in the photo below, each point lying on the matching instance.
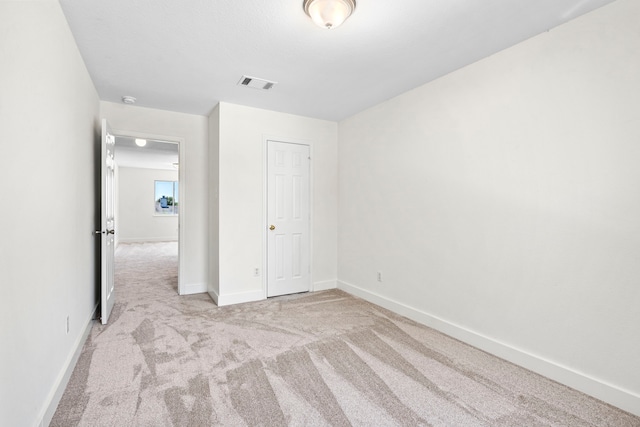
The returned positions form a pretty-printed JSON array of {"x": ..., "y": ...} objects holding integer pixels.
[
  {"x": 107, "y": 231},
  {"x": 288, "y": 243}
]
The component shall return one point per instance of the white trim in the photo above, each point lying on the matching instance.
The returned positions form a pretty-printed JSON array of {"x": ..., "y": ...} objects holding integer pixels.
[
  {"x": 214, "y": 296},
  {"x": 237, "y": 298},
  {"x": 309, "y": 143},
  {"x": 147, "y": 239},
  {"x": 194, "y": 288},
  {"x": 53, "y": 399},
  {"x": 265, "y": 185},
  {"x": 614, "y": 395},
  {"x": 182, "y": 189},
  {"x": 325, "y": 285}
]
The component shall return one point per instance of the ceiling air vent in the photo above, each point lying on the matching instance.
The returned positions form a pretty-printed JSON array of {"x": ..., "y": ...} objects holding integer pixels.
[{"x": 256, "y": 83}]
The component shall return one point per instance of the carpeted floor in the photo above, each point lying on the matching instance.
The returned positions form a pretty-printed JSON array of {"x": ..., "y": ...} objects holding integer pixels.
[{"x": 314, "y": 359}]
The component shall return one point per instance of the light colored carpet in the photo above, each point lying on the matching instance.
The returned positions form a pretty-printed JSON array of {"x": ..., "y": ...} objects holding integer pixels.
[{"x": 314, "y": 359}]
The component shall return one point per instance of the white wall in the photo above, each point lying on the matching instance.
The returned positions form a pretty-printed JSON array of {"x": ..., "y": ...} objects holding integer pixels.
[
  {"x": 137, "y": 219},
  {"x": 192, "y": 129},
  {"x": 48, "y": 118},
  {"x": 501, "y": 203},
  {"x": 241, "y": 197}
]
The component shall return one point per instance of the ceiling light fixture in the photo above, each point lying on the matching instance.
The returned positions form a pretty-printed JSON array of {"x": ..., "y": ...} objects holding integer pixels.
[
  {"x": 128, "y": 99},
  {"x": 329, "y": 13},
  {"x": 141, "y": 142}
]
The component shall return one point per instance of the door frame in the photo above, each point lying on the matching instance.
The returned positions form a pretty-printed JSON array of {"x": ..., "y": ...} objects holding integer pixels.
[
  {"x": 265, "y": 175},
  {"x": 182, "y": 189}
]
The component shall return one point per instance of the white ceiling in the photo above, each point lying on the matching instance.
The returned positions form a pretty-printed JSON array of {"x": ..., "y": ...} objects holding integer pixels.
[
  {"x": 188, "y": 55},
  {"x": 155, "y": 155}
]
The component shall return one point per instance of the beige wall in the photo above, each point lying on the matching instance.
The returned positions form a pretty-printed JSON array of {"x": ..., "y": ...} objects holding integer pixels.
[
  {"x": 137, "y": 220},
  {"x": 241, "y": 197},
  {"x": 48, "y": 118},
  {"x": 192, "y": 131},
  {"x": 501, "y": 203}
]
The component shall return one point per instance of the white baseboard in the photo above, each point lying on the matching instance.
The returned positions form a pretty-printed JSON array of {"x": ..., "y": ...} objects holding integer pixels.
[
  {"x": 324, "y": 285},
  {"x": 146, "y": 239},
  {"x": 249, "y": 296},
  {"x": 214, "y": 296},
  {"x": 614, "y": 395},
  {"x": 193, "y": 288},
  {"x": 53, "y": 399},
  {"x": 237, "y": 298}
]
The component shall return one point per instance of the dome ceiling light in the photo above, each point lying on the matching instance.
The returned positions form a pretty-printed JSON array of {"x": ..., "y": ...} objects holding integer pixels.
[{"x": 329, "y": 13}]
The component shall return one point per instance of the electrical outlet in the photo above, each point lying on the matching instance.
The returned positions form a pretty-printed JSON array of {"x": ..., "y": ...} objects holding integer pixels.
[
  {"x": 256, "y": 272},
  {"x": 379, "y": 276},
  {"x": 67, "y": 325}
]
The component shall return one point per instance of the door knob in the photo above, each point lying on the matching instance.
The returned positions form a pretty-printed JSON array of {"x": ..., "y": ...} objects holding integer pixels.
[
  {"x": 273, "y": 227},
  {"x": 105, "y": 232}
]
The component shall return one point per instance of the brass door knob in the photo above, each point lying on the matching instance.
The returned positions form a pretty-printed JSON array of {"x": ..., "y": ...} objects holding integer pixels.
[{"x": 273, "y": 227}]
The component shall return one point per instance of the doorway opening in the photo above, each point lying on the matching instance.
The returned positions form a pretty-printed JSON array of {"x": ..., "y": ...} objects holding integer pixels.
[{"x": 149, "y": 206}]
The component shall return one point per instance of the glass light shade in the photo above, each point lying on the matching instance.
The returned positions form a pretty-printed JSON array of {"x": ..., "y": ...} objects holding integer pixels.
[
  {"x": 329, "y": 13},
  {"x": 141, "y": 142}
]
